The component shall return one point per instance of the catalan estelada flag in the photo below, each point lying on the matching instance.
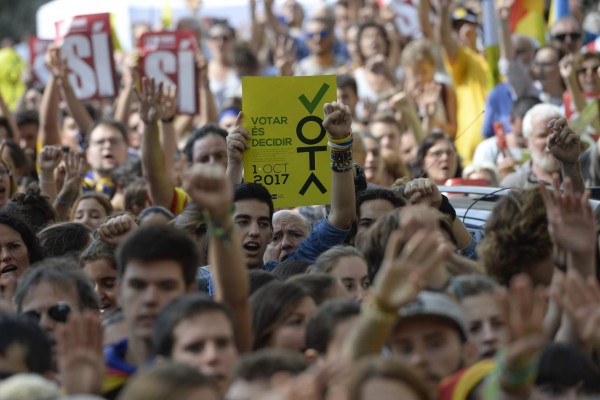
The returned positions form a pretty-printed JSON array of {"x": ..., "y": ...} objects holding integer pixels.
[
  {"x": 527, "y": 18},
  {"x": 558, "y": 9},
  {"x": 490, "y": 41}
]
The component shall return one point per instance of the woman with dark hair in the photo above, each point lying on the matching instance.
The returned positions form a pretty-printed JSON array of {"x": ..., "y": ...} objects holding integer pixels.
[
  {"x": 91, "y": 208},
  {"x": 65, "y": 238},
  {"x": 19, "y": 248},
  {"x": 375, "y": 75},
  {"x": 33, "y": 207},
  {"x": 437, "y": 159},
  {"x": 280, "y": 313}
]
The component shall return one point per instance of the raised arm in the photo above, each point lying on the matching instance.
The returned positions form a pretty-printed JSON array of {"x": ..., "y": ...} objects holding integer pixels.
[
  {"x": 49, "y": 132},
  {"x": 210, "y": 189},
  {"x": 337, "y": 121},
  {"x": 444, "y": 31},
  {"x": 272, "y": 19},
  {"x": 82, "y": 118},
  {"x": 403, "y": 103},
  {"x": 123, "y": 106},
  {"x": 425, "y": 22},
  {"x": 565, "y": 145},
  {"x": 402, "y": 275},
  {"x": 167, "y": 127},
  {"x": 237, "y": 143},
  {"x": 503, "y": 8},
  {"x": 75, "y": 169},
  {"x": 208, "y": 107},
  {"x": 48, "y": 161},
  {"x": 153, "y": 157}
]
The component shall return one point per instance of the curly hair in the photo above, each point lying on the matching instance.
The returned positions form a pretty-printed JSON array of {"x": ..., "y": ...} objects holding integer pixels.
[{"x": 516, "y": 235}]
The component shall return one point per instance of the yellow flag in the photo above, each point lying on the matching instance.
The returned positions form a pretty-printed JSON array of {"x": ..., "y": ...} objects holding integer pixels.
[{"x": 11, "y": 84}]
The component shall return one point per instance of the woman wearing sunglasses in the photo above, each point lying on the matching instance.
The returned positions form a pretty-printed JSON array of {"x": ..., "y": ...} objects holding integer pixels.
[{"x": 19, "y": 248}]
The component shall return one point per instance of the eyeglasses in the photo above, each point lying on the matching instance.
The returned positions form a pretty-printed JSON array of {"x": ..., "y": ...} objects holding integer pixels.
[
  {"x": 58, "y": 312},
  {"x": 317, "y": 35},
  {"x": 221, "y": 38},
  {"x": 589, "y": 70},
  {"x": 572, "y": 35}
]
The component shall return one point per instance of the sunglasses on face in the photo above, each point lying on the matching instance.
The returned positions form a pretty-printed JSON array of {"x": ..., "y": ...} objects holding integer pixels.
[
  {"x": 572, "y": 35},
  {"x": 317, "y": 35},
  {"x": 58, "y": 312}
]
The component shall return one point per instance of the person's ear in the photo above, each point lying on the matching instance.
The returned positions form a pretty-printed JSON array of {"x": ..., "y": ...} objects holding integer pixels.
[{"x": 311, "y": 355}]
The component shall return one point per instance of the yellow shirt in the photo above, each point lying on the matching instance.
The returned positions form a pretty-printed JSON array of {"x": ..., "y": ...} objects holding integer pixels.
[{"x": 469, "y": 76}]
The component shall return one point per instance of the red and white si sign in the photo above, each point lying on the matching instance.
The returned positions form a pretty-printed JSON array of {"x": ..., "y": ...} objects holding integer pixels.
[
  {"x": 169, "y": 57},
  {"x": 86, "y": 41},
  {"x": 37, "y": 59}
]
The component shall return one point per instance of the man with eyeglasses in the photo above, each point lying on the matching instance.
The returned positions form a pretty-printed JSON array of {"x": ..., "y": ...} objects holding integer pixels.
[
  {"x": 320, "y": 39},
  {"x": 107, "y": 150},
  {"x": 566, "y": 34},
  {"x": 50, "y": 291}
]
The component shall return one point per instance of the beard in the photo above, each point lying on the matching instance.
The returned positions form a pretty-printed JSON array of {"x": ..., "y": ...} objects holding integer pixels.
[{"x": 545, "y": 161}]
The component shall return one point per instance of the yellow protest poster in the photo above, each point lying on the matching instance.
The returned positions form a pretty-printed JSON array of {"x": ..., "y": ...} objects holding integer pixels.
[{"x": 288, "y": 151}]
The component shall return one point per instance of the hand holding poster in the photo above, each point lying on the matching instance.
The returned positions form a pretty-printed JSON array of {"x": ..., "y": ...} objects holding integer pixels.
[
  {"x": 288, "y": 151},
  {"x": 168, "y": 57},
  {"x": 86, "y": 42},
  {"x": 37, "y": 60}
]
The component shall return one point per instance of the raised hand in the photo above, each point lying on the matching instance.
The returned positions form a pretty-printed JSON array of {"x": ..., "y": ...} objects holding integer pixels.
[
  {"x": 503, "y": 8},
  {"x": 284, "y": 55},
  {"x": 581, "y": 301},
  {"x": 400, "y": 101},
  {"x": 571, "y": 219},
  {"x": 237, "y": 141},
  {"x": 151, "y": 101},
  {"x": 75, "y": 169},
  {"x": 202, "y": 68},
  {"x": 337, "y": 120},
  {"x": 169, "y": 100},
  {"x": 423, "y": 191},
  {"x": 524, "y": 309},
  {"x": 57, "y": 64},
  {"x": 49, "y": 158},
  {"x": 563, "y": 143},
  {"x": 210, "y": 189},
  {"x": 79, "y": 353},
  {"x": 429, "y": 98},
  {"x": 565, "y": 66},
  {"x": 405, "y": 268},
  {"x": 116, "y": 229}
]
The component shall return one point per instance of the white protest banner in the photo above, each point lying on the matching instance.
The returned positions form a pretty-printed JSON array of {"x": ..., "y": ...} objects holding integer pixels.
[
  {"x": 168, "y": 57},
  {"x": 86, "y": 42}
]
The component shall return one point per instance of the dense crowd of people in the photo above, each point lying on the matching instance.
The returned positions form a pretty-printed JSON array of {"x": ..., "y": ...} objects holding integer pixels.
[{"x": 136, "y": 263}]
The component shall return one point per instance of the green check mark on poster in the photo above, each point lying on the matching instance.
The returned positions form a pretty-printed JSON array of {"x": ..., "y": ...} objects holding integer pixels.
[{"x": 311, "y": 105}]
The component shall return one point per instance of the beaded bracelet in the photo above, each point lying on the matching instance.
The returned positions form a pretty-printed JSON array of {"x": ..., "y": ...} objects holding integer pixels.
[{"x": 216, "y": 229}]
